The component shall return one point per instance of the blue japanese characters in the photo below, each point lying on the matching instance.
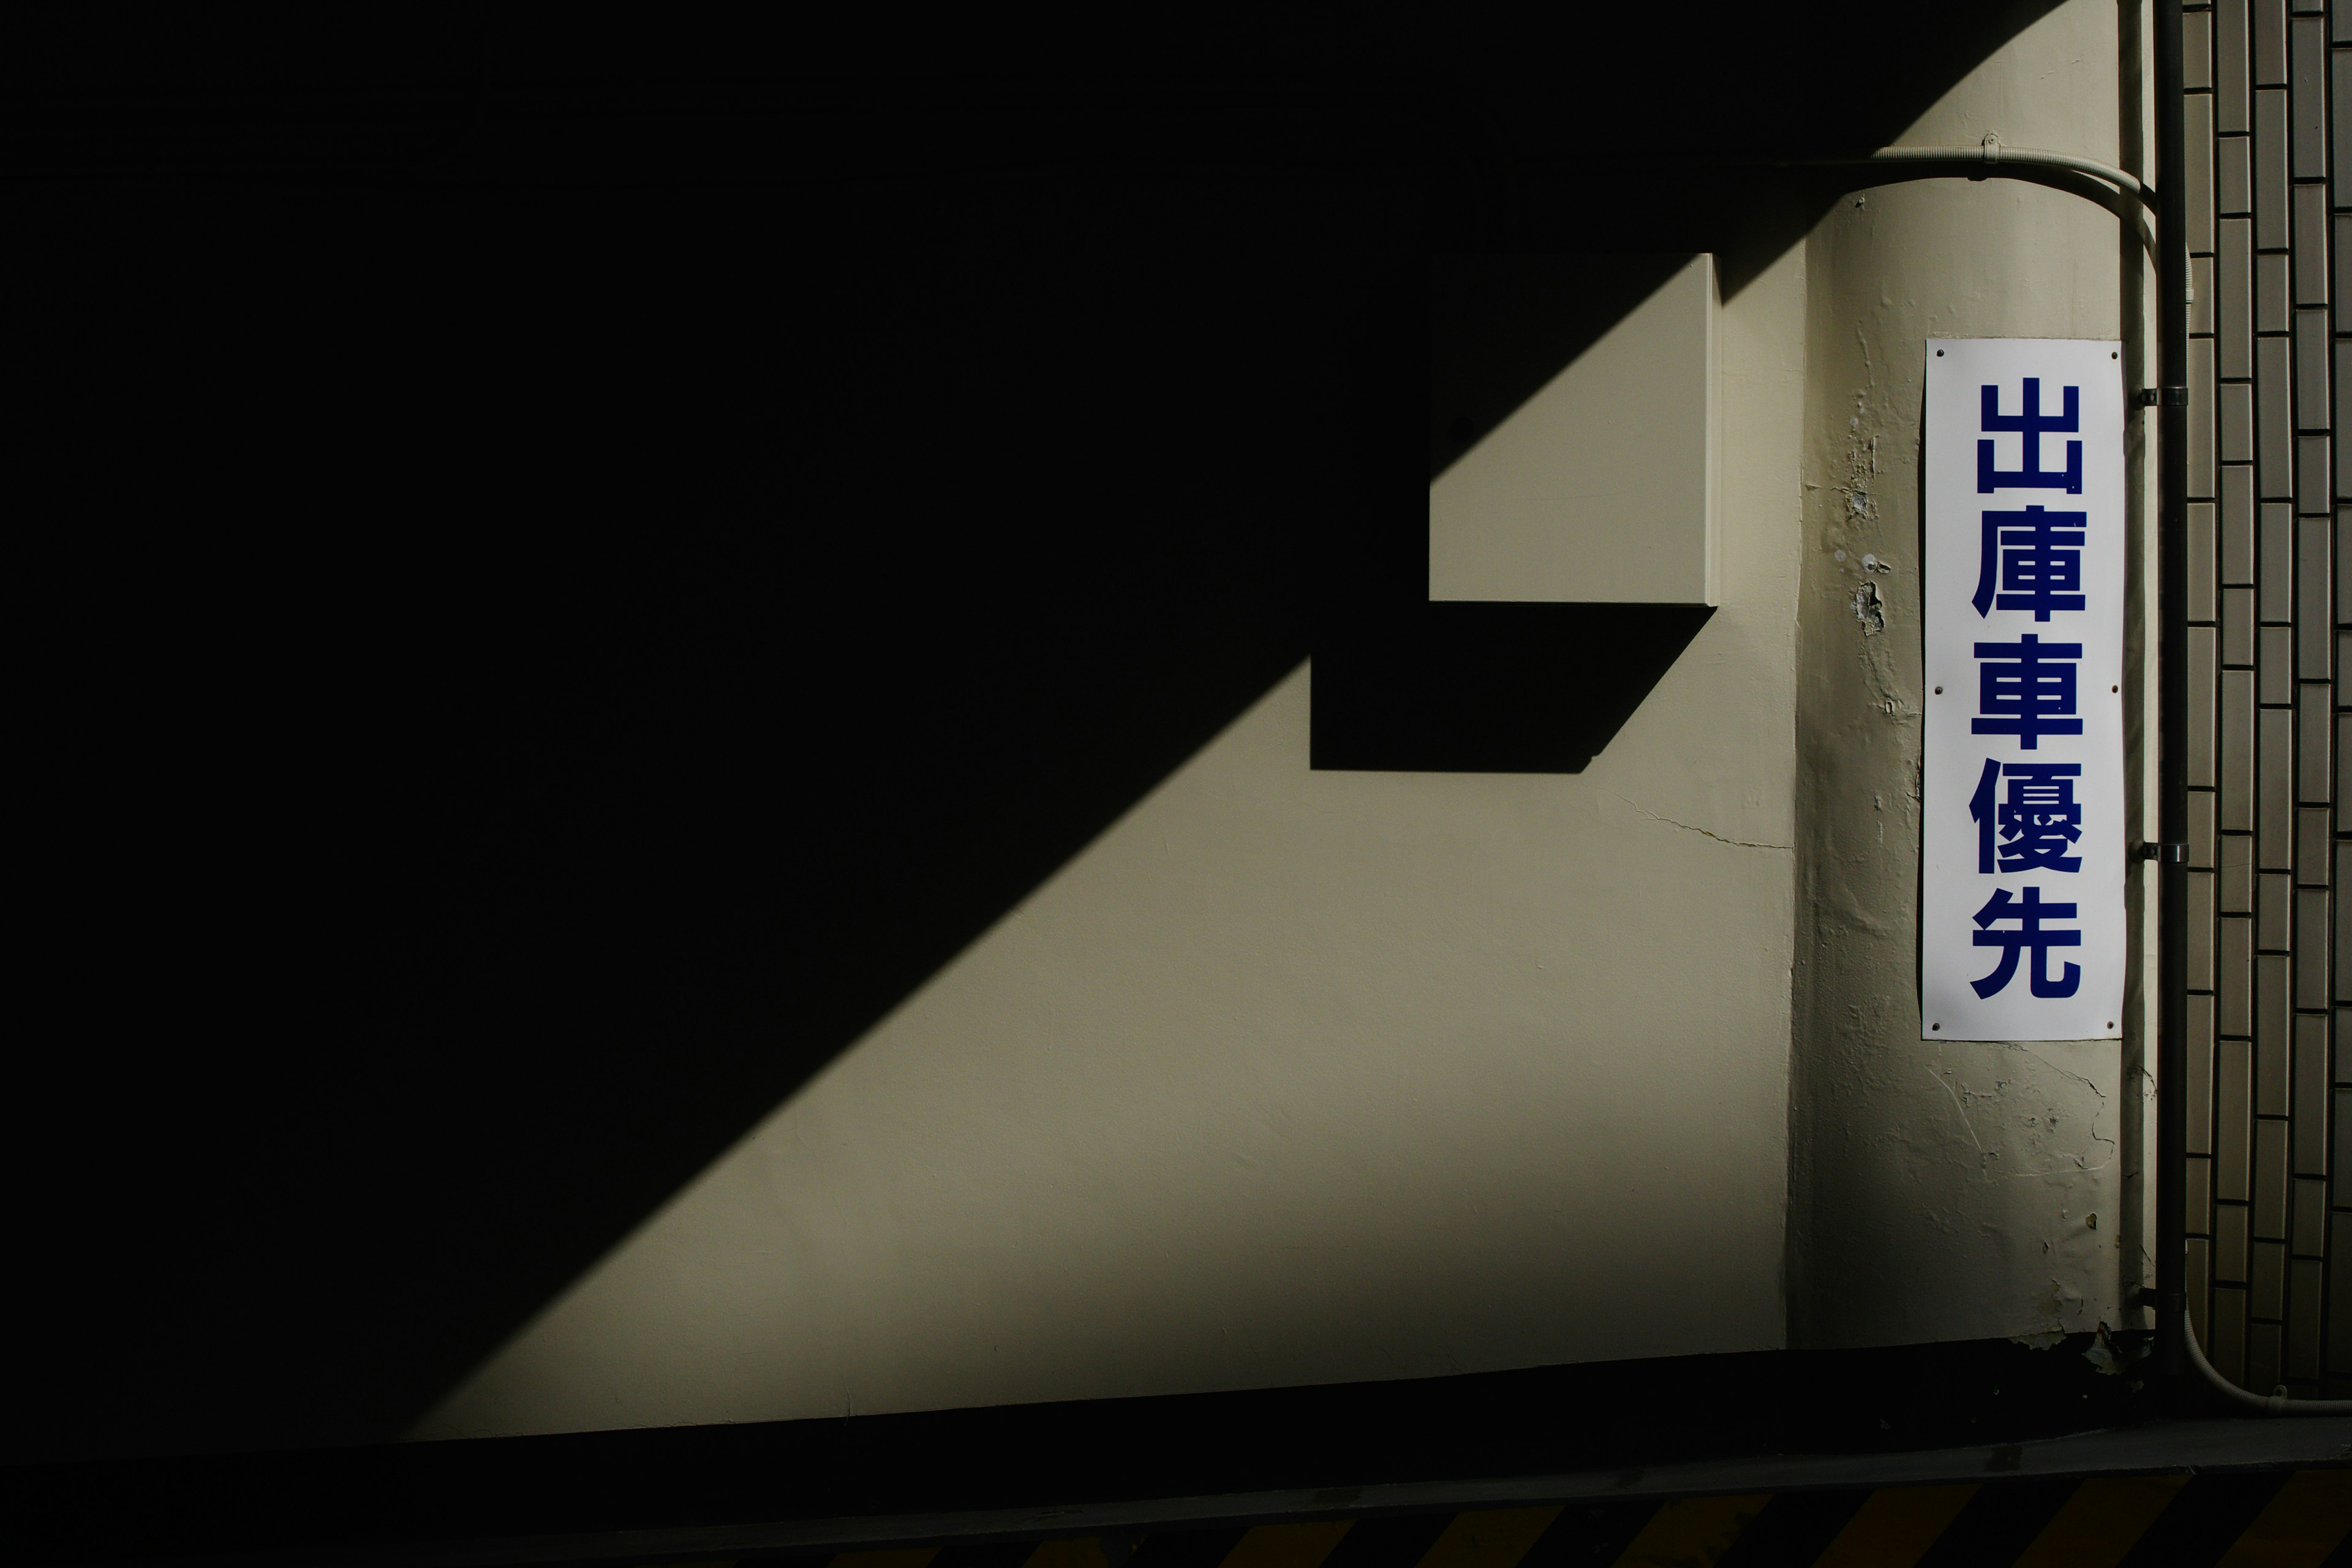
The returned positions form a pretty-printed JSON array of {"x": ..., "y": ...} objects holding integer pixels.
[
  {"x": 2020, "y": 908},
  {"x": 2033, "y": 424},
  {"x": 2037, "y": 822},
  {"x": 2031, "y": 935},
  {"x": 2033, "y": 561}
]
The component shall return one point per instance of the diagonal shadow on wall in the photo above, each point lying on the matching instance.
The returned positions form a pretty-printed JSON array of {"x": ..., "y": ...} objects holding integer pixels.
[
  {"x": 1403, "y": 683},
  {"x": 532, "y": 658}
]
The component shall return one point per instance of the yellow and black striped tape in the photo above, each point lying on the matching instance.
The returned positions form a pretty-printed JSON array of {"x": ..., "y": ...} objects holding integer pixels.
[{"x": 2236, "y": 1519}]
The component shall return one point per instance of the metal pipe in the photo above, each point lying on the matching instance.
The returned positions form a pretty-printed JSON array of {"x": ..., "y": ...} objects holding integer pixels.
[
  {"x": 1990, "y": 152},
  {"x": 2276, "y": 1404},
  {"x": 2173, "y": 707},
  {"x": 2125, "y": 195}
]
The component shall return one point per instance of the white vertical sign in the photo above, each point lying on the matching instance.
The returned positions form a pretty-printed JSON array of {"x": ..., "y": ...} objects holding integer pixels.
[{"x": 2021, "y": 896}]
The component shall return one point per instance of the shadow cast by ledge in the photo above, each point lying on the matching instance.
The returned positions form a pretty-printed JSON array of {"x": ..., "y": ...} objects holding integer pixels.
[
  {"x": 1508, "y": 689},
  {"x": 1402, "y": 683}
]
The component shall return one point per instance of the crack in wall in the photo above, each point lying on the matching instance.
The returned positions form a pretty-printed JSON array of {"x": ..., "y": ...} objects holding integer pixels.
[
  {"x": 1703, "y": 832},
  {"x": 2022, "y": 1128},
  {"x": 1957, "y": 1105},
  {"x": 2113, "y": 1148}
]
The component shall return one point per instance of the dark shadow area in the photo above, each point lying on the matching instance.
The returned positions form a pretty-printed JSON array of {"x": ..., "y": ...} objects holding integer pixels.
[
  {"x": 558, "y": 576},
  {"x": 1501, "y": 327},
  {"x": 1402, "y": 683},
  {"x": 516, "y": 696},
  {"x": 1657, "y": 133},
  {"x": 1468, "y": 688},
  {"x": 506, "y": 1496}
]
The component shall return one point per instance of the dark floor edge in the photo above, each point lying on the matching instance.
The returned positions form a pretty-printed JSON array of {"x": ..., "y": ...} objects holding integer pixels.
[{"x": 2297, "y": 1441}]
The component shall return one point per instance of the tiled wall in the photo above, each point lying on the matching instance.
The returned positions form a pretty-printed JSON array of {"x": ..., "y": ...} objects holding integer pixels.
[{"x": 2269, "y": 1216}]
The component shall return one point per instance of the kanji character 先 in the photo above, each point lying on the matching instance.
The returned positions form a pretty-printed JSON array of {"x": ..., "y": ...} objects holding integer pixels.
[{"x": 2029, "y": 912}]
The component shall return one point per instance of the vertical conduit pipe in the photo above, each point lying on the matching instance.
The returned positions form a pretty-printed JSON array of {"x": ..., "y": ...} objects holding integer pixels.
[{"x": 2172, "y": 697}]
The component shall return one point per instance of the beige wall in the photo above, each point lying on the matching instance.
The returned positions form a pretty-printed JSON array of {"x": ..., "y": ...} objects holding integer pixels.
[
  {"x": 1298, "y": 1077},
  {"x": 1291, "y": 1077},
  {"x": 1943, "y": 1190},
  {"x": 1618, "y": 447}
]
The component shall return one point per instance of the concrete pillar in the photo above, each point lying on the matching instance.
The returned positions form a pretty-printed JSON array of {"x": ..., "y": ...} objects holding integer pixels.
[{"x": 1946, "y": 1190}]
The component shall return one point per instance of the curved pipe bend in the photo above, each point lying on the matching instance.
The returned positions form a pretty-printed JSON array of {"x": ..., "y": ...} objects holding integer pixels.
[
  {"x": 2272, "y": 1405},
  {"x": 2121, "y": 194},
  {"x": 1994, "y": 154}
]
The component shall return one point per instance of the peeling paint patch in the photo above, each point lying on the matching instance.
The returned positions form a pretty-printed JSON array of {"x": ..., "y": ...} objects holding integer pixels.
[
  {"x": 1869, "y": 609},
  {"x": 2112, "y": 1358}
]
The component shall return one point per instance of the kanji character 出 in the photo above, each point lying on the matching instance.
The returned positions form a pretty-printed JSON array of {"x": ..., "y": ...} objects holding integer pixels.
[{"x": 2034, "y": 424}]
